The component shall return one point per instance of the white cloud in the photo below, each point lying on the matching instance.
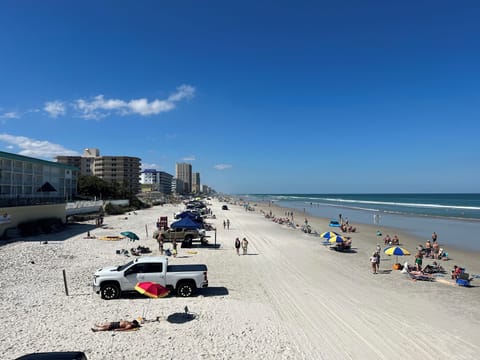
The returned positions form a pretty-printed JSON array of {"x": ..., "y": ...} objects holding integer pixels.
[
  {"x": 54, "y": 108},
  {"x": 222, "y": 166},
  {"x": 189, "y": 158},
  {"x": 36, "y": 148},
  {"x": 183, "y": 92},
  {"x": 10, "y": 115},
  {"x": 100, "y": 107},
  {"x": 149, "y": 166}
]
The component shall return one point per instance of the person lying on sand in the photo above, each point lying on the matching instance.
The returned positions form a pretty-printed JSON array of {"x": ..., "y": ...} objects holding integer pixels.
[{"x": 116, "y": 326}]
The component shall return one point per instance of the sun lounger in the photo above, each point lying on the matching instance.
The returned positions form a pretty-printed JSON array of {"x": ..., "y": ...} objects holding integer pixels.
[{"x": 418, "y": 275}]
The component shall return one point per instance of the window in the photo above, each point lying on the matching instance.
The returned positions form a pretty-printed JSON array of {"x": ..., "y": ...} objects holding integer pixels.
[
  {"x": 153, "y": 268},
  {"x": 135, "y": 269}
]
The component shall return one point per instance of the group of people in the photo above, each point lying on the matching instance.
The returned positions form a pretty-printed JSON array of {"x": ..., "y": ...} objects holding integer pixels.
[
  {"x": 243, "y": 244},
  {"x": 391, "y": 241}
]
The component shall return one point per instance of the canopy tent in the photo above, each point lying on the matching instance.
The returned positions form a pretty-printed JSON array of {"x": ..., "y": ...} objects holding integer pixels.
[
  {"x": 186, "y": 223},
  {"x": 189, "y": 214}
]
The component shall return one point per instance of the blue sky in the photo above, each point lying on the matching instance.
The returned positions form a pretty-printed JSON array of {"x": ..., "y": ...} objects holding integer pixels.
[{"x": 259, "y": 96}]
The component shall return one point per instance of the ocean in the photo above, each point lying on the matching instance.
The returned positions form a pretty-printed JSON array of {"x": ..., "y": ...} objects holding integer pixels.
[{"x": 454, "y": 217}]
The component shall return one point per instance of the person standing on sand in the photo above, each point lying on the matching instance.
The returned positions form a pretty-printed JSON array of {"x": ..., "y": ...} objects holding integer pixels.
[
  {"x": 373, "y": 262},
  {"x": 377, "y": 263},
  {"x": 237, "y": 246},
  {"x": 174, "y": 251},
  {"x": 244, "y": 246},
  {"x": 228, "y": 224},
  {"x": 434, "y": 237}
]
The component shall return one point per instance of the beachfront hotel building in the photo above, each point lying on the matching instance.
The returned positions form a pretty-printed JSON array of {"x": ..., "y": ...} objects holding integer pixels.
[
  {"x": 159, "y": 180},
  {"x": 123, "y": 170},
  {"x": 32, "y": 189},
  {"x": 183, "y": 175}
]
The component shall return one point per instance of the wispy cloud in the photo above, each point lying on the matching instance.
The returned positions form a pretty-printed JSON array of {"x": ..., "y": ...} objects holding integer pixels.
[
  {"x": 189, "y": 158},
  {"x": 222, "y": 166},
  {"x": 35, "y": 148},
  {"x": 100, "y": 107},
  {"x": 10, "y": 115},
  {"x": 54, "y": 108}
]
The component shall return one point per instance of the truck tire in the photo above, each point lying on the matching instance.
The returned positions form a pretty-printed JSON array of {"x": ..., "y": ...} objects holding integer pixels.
[
  {"x": 186, "y": 288},
  {"x": 110, "y": 291},
  {"x": 187, "y": 242},
  {"x": 204, "y": 240}
]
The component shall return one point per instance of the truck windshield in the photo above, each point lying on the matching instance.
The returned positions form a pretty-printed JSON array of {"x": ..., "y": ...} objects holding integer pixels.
[{"x": 122, "y": 267}]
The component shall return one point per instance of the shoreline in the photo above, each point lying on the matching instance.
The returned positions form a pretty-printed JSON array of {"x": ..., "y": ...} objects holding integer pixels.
[{"x": 459, "y": 256}]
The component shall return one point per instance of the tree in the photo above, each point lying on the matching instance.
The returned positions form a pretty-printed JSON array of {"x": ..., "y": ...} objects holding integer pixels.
[{"x": 93, "y": 186}]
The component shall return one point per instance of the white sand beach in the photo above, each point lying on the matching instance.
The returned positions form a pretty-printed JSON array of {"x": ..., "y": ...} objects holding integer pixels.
[{"x": 289, "y": 298}]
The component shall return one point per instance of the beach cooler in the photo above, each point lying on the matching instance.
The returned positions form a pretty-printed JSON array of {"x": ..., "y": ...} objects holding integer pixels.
[{"x": 463, "y": 279}]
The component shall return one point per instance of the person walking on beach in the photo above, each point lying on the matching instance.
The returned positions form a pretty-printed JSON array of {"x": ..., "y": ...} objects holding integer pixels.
[
  {"x": 237, "y": 245},
  {"x": 434, "y": 237},
  {"x": 228, "y": 224},
  {"x": 224, "y": 224},
  {"x": 244, "y": 246},
  {"x": 373, "y": 262}
]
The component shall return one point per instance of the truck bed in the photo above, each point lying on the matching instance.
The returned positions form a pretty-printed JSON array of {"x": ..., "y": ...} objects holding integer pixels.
[{"x": 186, "y": 268}]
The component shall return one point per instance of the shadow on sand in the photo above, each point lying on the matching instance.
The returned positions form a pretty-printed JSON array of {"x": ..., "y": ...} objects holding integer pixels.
[{"x": 71, "y": 229}]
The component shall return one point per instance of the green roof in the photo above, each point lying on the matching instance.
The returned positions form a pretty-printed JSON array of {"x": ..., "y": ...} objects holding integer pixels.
[{"x": 36, "y": 161}]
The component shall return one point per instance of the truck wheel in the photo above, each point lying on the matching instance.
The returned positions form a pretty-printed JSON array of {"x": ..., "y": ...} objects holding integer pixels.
[
  {"x": 110, "y": 291},
  {"x": 185, "y": 289},
  {"x": 204, "y": 241},
  {"x": 187, "y": 242}
]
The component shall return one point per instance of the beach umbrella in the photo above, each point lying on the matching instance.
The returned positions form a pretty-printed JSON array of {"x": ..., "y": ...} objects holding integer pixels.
[
  {"x": 132, "y": 236},
  {"x": 397, "y": 251},
  {"x": 151, "y": 289},
  {"x": 336, "y": 239},
  {"x": 329, "y": 234}
]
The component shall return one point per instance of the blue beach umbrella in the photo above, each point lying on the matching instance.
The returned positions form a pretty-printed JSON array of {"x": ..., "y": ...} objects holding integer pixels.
[
  {"x": 336, "y": 239},
  {"x": 397, "y": 251},
  {"x": 329, "y": 234}
]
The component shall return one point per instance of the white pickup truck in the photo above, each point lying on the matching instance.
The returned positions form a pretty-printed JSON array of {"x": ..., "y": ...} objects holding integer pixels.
[{"x": 111, "y": 281}]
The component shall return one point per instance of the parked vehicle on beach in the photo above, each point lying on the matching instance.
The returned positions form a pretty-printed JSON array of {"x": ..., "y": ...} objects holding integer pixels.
[
  {"x": 111, "y": 281},
  {"x": 182, "y": 235}
]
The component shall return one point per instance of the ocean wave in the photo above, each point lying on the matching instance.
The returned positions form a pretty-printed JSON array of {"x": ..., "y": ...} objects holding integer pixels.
[{"x": 401, "y": 204}]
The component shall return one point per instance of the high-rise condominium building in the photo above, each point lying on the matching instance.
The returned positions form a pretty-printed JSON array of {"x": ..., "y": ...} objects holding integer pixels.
[
  {"x": 196, "y": 182},
  {"x": 114, "y": 169},
  {"x": 184, "y": 175}
]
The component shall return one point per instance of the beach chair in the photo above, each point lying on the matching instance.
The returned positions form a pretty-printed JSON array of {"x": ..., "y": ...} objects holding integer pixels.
[{"x": 417, "y": 275}]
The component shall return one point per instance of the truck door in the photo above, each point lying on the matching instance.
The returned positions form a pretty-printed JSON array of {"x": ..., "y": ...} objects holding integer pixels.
[
  {"x": 153, "y": 272},
  {"x": 133, "y": 275}
]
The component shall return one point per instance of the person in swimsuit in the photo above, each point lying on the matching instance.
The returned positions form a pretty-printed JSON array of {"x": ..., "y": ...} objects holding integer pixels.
[{"x": 116, "y": 326}]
